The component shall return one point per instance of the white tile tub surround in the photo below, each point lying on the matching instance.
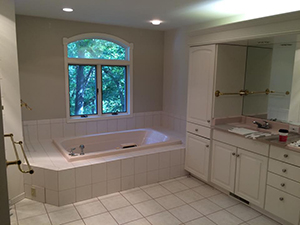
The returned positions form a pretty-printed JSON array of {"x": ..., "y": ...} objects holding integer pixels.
[
  {"x": 59, "y": 128},
  {"x": 61, "y": 184}
]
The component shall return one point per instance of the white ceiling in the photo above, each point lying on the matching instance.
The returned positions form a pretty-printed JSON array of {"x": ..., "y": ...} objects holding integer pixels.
[{"x": 138, "y": 13}]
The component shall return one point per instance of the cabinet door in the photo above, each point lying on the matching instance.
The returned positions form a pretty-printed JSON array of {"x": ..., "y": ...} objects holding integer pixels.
[
  {"x": 251, "y": 174},
  {"x": 223, "y": 165},
  {"x": 200, "y": 84},
  {"x": 197, "y": 156}
]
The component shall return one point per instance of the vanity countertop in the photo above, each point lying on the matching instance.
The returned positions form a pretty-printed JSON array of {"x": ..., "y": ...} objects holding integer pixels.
[{"x": 272, "y": 140}]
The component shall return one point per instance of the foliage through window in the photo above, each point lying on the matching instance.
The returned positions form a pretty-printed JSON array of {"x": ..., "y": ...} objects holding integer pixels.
[{"x": 91, "y": 79}]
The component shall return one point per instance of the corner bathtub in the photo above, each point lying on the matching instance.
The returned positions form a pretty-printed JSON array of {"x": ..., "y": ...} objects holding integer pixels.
[{"x": 105, "y": 144}]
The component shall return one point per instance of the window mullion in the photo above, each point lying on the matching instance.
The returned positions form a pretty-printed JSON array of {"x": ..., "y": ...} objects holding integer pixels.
[{"x": 99, "y": 86}]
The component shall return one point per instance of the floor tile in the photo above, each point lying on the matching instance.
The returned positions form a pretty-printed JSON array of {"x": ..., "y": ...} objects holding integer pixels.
[
  {"x": 201, "y": 221},
  {"x": 243, "y": 212},
  {"x": 114, "y": 201},
  {"x": 36, "y": 220},
  {"x": 126, "y": 214},
  {"x": 156, "y": 191},
  {"x": 189, "y": 196},
  {"x": 24, "y": 202},
  {"x": 224, "y": 218},
  {"x": 102, "y": 219},
  {"x": 206, "y": 190},
  {"x": 223, "y": 200},
  {"x": 205, "y": 206},
  {"x": 163, "y": 218},
  {"x": 136, "y": 196},
  {"x": 262, "y": 220},
  {"x": 149, "y": 207},
  {"x": 174, "y": 186},
  {"x": 185, "y": 213},
  {"x": 90, "y": 209},
  {"x": 64, "y": 216},
  {"x": 30, "y": 210},
  {"x": 53, "y": 208},
  {"x": 191, "y": 182},
  {"x": 77, "y": 222},
  {"x": 170, "y": 201},
  {"x": 139, "y": 222}
]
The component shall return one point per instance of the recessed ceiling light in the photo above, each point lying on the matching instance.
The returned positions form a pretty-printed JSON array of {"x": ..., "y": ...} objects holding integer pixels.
[
  {"x": 156, "y": 22},
  {"x": 68, "y": 10}
]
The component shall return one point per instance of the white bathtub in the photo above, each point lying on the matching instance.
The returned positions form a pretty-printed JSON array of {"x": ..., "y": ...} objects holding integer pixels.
[{"x": 98, "y": 145}]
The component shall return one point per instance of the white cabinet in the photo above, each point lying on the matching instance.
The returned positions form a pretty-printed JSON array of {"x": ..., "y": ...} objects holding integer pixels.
[
  {"x": 223, "y": 165},
  {"x": 239, "y": 171},
  {"x": 251, "y": 176},
  {"x": 197, "y": 156},
  {"x": 200, "y": 84}
]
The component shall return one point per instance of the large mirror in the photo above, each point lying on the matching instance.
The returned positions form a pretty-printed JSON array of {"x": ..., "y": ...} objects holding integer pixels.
[{"x": 272, "y": 78}]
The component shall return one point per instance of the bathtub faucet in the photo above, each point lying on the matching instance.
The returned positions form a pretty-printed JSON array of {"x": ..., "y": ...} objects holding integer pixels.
[
  {"x": 81, "y": 147},
  {"x": 72, "y": 152}
]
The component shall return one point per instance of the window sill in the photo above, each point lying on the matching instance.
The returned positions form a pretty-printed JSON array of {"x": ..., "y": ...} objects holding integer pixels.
[{"x": 94, "y": 118}]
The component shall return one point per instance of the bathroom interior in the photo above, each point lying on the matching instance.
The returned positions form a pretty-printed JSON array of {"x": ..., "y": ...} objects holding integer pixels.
[{"x": 174, "y": 113}]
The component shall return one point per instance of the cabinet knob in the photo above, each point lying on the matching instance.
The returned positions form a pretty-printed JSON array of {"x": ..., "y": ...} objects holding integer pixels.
[
  {"x": 285, "y": 155},
  {"x": 237, "y": 155},
  {"x": 282, "y": 184},
  {"x": 284, "y": 170},
  {"x": 196, "y": 130},
  {"x": 233, "y": 154},
  {"x": 281, "y": 198},
  {"x": 208, "y": 121},
  {"x": 206, "y": 146}
]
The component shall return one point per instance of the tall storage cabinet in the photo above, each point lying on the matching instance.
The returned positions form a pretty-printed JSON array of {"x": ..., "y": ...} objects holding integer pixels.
[
  {"x": 200, "y": 84},
  {"x": 199, "y": 109}
]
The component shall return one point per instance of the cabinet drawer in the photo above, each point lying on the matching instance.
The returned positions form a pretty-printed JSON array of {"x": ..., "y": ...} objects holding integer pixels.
[
  {"x": 283, "y": 205},
  {"x": 241, "y": 142},
  {"x": 284, "y": 184},
  {"x": 285, "y": 155},
  {"x": 284, "y": 169},
  {"x": 199, "y": 130}
]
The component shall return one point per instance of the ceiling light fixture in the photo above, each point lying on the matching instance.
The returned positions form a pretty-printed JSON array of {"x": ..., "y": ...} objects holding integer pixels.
[
  {"x": 68, "y": 10},
  {"x": 156, "y": 22}
]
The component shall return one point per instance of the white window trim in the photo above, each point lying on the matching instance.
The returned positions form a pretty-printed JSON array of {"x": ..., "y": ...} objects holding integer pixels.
[{"x": 127, "y": 62}]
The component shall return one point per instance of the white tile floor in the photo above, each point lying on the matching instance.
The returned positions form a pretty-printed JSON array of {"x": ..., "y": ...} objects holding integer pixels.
[{"x": 182, "y": 201}]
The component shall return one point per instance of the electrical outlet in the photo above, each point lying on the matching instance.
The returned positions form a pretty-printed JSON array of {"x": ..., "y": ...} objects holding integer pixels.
[
  {"x": 294, "y": 128},
  {"x": 33, "y": 192}
]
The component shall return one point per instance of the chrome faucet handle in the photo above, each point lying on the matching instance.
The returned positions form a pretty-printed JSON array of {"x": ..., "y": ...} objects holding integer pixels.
[{"x": 81, "y": 147}]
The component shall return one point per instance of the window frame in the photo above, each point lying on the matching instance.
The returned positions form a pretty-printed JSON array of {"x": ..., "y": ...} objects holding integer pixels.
[{"x": 128, "y": 63}]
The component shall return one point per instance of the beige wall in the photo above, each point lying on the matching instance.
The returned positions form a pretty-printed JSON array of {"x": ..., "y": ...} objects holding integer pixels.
[
  {"x": 40, "y": 48},
  {"x": 10, "y": 92}
]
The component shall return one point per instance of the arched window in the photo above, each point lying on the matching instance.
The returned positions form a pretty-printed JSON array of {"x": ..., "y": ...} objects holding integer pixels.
[{"x": 98, "y": 76}]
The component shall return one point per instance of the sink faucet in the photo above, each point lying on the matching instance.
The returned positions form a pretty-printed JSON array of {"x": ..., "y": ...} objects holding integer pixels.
[
  {"x": 81, "y": 147},
  {"x": 265, "y": 125}
]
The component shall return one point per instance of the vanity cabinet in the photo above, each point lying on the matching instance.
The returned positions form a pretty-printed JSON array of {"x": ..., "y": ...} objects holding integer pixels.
[
  {"x": 200, "y": 84},
  {"x": 239, "y": 170},
  {"x": 283, "y": 186},
  {"x": 197, "y": 156}
]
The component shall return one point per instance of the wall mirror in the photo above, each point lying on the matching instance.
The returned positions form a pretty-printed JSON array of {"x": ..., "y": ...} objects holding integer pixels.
[{"x": 272, "y": 77}]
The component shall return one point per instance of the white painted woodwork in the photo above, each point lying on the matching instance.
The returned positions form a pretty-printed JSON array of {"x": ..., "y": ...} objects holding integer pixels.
[
  {"x": 283, "y": 205},
  {"x": 284, "y": 184},
  {"x": 251, "y": 176},
  {"x": 285, "y": 155},
  {"x": 200, "y": 84},
  {"x": 230, "y": 76},
  {"x": 197, "y": 156},
  {"x": 241, "y": 142},
  {"x": 198, "y": 130},
  {"x": 285, "y": 170},
  {"x": 223, "y": 165}
]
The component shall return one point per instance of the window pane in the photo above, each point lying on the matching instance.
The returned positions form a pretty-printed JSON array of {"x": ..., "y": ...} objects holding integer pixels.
[
  {"x": 82, "y": 90},
  {"x": 96, "y": 49},
  {"x": 113, "y": 89}
]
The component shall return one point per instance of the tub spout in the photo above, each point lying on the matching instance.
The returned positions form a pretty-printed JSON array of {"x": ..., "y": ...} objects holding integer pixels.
[
  {"x": 72, "y": 152},
  {"x": 81, "y": 147}
]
